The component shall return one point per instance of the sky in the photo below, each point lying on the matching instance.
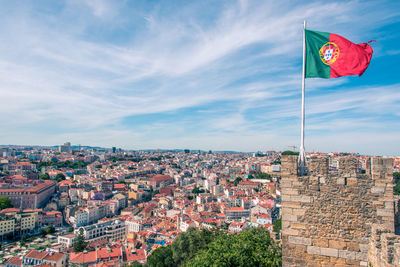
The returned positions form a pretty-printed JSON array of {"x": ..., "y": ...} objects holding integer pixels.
[{"x": 211, "y": 75}]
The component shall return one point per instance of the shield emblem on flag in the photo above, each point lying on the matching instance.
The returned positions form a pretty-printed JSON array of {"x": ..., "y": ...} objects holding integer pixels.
[{"x": 328, "y": 53}]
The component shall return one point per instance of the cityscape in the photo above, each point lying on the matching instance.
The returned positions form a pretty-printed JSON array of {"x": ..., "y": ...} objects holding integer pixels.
[{"x": 126, "y": 204}]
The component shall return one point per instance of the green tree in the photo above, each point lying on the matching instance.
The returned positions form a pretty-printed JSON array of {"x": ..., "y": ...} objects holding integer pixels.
[
  {"x": 5, "y": 203},
  {"x": 80, "y": 243},
  {"x": 252, "y": 247},
  {"x": 396, "y": 182},
  {"x": 196, "y": 190},
  {"x": 135, "y": 264},
  {"x": 161, "y": 257},
  {"x": 45, "y": 176},
  {"x": 237, "y": 181},
  {"x": 277, "y": 226},
  {"x": 23, "y": 240},
  {"x": 60, "y": 177},
  {"x": 43, "y": 232},
  {"x": 50, "y": 229},
  {"x": 289, "y": 153}
]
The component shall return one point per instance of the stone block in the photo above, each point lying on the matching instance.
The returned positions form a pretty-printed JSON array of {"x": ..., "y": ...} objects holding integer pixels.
[
  {"x": 363, "y": 263},
  {"x": 320, "y": 242},
  {"x": 289, "y": 217},
  {"x": 351, "y": 181},
  {"x": 287, "y": 191},
  {"x": 341, "y": 181},
  {"x": 377, "y": 189},
  {"x": 289, "y": 231},
  {"x": 363, "y": 247},
  {"x": 298, "y": 225},
  {"x": 302, "y": 199},
  {"x": 299, "y": 212},
  {"x": 298, "y": 240},
  {"x": 313, "y": 250},
  {"x": 362, "y": 256},
  {"x": 353, "y": 246},
  {"x": 385, "y": 212},
  {"x": 348, "y": 255},
  {"x": 330, "y": 252},
  {"x": 291, "y": 205},
  {"x": 337, "y": 244}
]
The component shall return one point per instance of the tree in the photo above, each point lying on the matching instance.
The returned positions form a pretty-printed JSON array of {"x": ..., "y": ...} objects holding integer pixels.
[
  {"x": 237, "y": 181},
  {"x": 277, "y": 226},
  {"x": 70, "y": 229},
  {"x": 161, "y": 257},
  {"x": 196, "y": 190},
  {"x": 252, "y": 247},
  {"x": 135, "y": 264},
  {"x": 43, "y": 232},
  {"x": 23, "y": 240},
  {"x": 50, "y": 229},
  {"x": 60, "y": 177},
  {"x": 80, "y": 243},
  {"x": 45, "y": 176},
  {"x": 290, "y": 153},
  {"x": 5, "y": 203},
  {"x": 396, "y": 182}
]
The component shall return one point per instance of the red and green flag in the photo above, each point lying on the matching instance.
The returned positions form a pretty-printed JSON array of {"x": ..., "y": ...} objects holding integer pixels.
[{"x": 329, "y": 55}]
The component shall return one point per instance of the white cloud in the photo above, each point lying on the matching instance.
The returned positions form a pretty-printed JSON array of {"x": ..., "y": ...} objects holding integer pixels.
[{"x": 85, "y": 85}]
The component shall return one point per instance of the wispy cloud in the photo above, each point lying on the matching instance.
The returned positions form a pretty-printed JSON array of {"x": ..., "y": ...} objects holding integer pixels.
[{"x": 232, "y": 69}]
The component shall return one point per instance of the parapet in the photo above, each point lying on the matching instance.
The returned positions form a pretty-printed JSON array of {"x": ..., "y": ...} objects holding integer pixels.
[{"x": 327, "y": 215}]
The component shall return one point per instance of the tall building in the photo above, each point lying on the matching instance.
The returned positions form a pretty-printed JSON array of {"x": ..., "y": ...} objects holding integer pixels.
[{"x": 65, "y": 148}]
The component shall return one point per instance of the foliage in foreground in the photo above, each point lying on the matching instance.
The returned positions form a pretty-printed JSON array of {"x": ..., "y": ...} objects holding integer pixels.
[
  {"x": 5, "y": 203},
  {"x": 396, "y": 182},
  {"x": 252, "y": 247}
]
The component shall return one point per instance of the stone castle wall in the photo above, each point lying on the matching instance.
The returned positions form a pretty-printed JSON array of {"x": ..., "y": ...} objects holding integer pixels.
[{"x": 328, "y": 219}]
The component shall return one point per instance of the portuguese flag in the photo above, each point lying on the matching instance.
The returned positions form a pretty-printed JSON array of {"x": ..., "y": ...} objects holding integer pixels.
[{"x": 329, "y": 55}]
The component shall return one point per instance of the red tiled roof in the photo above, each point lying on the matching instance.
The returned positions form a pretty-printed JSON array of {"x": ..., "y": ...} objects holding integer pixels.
[
  {"x": 15, "y": 261},
  {"x": 83, "y": 257},
  {"x": 105, "y": 253},
  {"x": 9, "y": 210},
  {"x": 35, "y": 254},
  {"x": 54, "y": 257},
  {"x": 135, "y": 255},
  {"x": 236, "y": 209},
  {"x": 159, "y": 178}
]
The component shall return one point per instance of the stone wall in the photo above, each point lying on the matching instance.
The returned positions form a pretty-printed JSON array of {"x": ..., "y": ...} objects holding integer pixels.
[{"x": 327, "y": 218}]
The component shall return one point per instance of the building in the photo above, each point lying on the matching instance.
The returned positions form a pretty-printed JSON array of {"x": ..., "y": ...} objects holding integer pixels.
[
  {"x": 66, "y": 241},
  {"x": 159, "y": 181},
  {"x": 133, "y": 225},
  {"x": 29, "y": 196},
  {"x": 66, "y": 148},
  {"x": 112, "y": 230},
  {"x": 12, "y": 221},
  {"x": 237, "y": 213}
]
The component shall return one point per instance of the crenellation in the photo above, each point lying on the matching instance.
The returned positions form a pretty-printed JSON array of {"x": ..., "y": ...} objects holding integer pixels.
[{"x": 330, "y": 218}]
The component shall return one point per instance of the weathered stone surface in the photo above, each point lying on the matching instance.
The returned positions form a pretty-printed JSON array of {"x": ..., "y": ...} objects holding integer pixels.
[
  {"x": 328, "y": 217},
  {"x": 297, "y": 240},
  {"x": 337, "y": 244},
  {"x": 313, "y": 250},
  {"x": 350, "y": 255}
]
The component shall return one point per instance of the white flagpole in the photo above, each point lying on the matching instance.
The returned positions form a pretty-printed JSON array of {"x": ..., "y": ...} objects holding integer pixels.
[{"x": 302, "y": 156}]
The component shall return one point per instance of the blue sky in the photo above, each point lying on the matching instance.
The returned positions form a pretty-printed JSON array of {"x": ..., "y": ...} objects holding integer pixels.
[{"x": 220, "y": 75}]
